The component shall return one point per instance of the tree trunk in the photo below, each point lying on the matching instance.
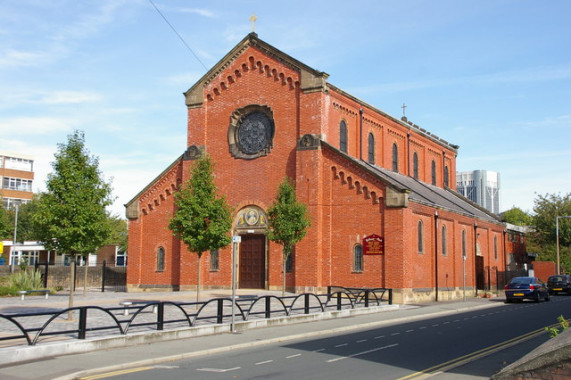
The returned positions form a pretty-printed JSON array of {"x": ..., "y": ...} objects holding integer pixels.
[
  {"x": 71, "y": 288},
  {"x": 198, "y": 278},
  {"x": 85, "y": 277},
  {"x": 284, "y": 257}
]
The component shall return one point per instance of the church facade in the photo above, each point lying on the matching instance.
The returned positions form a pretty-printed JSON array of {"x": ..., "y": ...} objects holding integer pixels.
[{"x": 263, "y": 116}]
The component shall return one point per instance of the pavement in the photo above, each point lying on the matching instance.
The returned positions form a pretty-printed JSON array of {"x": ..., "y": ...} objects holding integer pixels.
[{"x": 75, "y": 359}]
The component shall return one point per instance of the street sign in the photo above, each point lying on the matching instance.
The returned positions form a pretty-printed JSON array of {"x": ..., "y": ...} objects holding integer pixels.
[
  {"x": 236, "y": 239},
  {"x": 373, "y": 245}
]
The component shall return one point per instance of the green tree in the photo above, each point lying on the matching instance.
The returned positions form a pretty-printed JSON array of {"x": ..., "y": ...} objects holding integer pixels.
[
  {"x": 517, "y": 217},
  {"x": 202, "y": 220},
  {"x": 118, "y": 232},
  {"x": 5, "y": 224},
  {"x": 288, "y": 221},
  {"x": 543, "y": 239},
  {"x": 71, "y": 216}
]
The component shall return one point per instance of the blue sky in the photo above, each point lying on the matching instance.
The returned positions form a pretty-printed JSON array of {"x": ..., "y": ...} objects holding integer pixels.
[{"x": 492, "y": 76}]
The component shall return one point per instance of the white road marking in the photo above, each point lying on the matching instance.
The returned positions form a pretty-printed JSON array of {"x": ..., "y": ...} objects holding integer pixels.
[
  {"x": 379, "y": 337},
  {"x": 293, "y": 356},
  {"x": 218, "y": 370},
  {"x": 393, "y": 334},
  {"x": 264, "y": 362},
  {"x": 342, "y": 345},
  {"x": 409, "y": 331},
  {"x": 361, "y": 353},
  {"x": 362, "y": 340},
  {"x": 319, "y": 350}
]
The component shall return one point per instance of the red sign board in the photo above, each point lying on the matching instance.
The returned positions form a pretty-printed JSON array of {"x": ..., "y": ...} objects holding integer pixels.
[{"x": 373, "y": 245}]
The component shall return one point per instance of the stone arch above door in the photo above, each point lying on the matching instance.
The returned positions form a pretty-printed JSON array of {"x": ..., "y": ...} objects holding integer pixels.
[{"x": 251, "y": 218}]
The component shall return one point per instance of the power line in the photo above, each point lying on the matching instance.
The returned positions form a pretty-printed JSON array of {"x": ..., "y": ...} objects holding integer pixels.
[{"x": 179, "y": 36}]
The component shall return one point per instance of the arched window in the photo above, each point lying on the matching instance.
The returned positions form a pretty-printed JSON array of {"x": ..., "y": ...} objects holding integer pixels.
[
  {"x": 444, "y": 241},
  {"x": 395, "y": 158},
  {"x": 343, "y": 136},
  {"x": 358, "y": 258},
  {"x": 214, "y": 260},
  {"x": 496, "y": 247},
  {"x": 415, "y": 165},
  {"x": 371, "y": 148},
  {"x": 289, "y": 262},
  {"x": 433, "y": 171},
  {"x": 446, "y": 177},
  {"x": 463, "y": 243},
  {"x": 160, "y": 259},
  {"x": 420, "y": 237}
]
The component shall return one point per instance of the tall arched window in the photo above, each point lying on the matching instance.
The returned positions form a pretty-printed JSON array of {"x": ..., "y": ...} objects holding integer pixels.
[
  {"x": 444, "y": 241},
  {"x": 433, "y": 172},
  {"x": 371, "y": 148},
  {"x": 420, "y": 237},
  {"x": 395, "y": 158},
  {"x": 358, "y": 258},
  {"x": 446, "y": 177},
  {"x": 214, "y": 260},
  {"x": 415, "y": 165},
  {"x": 343, "y": 136},
  {"x": 463, "y": 243},
  {"x": 160, "y": 259},
  {"x": 495, "y": 247}
]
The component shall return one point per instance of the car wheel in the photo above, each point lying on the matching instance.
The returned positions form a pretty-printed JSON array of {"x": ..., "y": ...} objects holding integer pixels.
[
  {"x": 509, "y": 300},
  {"x": 536, "y": 298},
  {"x": 547, "y": 297}
]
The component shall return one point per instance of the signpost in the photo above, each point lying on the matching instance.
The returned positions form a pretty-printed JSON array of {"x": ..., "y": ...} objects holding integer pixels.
[{"x": 236, "y": 239}]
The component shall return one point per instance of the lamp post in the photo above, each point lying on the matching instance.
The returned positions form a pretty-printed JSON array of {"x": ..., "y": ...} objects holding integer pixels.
[{"x": 557, "y": 238}]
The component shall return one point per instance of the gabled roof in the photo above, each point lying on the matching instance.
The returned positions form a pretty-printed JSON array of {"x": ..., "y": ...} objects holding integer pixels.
[{"x": 421, "y": 192}]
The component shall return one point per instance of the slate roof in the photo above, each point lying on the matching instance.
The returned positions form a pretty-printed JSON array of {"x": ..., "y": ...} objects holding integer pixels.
[{"x": 424, "y": 193}]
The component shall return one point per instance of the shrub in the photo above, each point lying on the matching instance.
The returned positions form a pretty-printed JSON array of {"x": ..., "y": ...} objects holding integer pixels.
[{"x": 26, "y": 280}]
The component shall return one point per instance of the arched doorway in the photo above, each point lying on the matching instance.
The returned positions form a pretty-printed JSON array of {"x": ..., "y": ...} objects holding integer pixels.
[{"x": 251, "y": 225}]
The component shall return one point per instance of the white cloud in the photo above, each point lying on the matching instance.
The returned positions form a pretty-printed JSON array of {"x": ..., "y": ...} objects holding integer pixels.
[
  {"x": 30, "y": 126},
  {"x": 198, "y": 11},
  {"x": 18, "y": 58}
]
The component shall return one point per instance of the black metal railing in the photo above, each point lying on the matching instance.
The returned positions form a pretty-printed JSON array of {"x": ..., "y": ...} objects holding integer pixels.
[{"x": 137, "y": 316}]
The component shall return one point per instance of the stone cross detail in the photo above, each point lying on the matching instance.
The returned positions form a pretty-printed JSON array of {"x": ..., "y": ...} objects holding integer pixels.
[{"x": 253, "y": 19}]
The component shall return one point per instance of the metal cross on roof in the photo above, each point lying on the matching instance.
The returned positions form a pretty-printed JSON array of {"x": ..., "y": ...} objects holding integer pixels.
[
  {"x": 403, "y": 109},
  {"x": 253, "y": 19}
]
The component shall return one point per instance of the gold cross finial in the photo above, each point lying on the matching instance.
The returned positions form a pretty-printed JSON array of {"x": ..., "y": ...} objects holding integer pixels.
[{"x": 253, "y": 19}]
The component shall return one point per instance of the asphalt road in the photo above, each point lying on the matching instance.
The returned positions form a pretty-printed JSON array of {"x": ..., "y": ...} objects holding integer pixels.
[{"x": 467, "y": 345}]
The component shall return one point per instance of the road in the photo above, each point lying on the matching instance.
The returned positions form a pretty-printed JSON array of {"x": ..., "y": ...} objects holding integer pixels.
[{"x": 466, "y": 345}]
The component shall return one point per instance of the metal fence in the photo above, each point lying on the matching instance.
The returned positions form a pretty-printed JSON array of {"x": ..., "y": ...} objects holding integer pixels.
[
  {"x": 79, "y": 322},
  {"x": 104, "y": 277}
]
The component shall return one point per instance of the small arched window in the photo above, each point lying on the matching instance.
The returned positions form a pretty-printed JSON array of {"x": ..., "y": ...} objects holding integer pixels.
[
  {"x": 343, "y": 136},
  {"x": 444, "y": 241},
  {"x": 446, "y": 177},
  {"x": 358, "y": 258},
  {"x": 433, "y": 172},
  {"x": 415, "y": 166},
  {"x": 371, "y": 148},
  {"x": 463, "y": 243},
  {"x": 160, "y": 259},
  {"x": 420, "y": 237},
  {"x": 395, "y": 158}
]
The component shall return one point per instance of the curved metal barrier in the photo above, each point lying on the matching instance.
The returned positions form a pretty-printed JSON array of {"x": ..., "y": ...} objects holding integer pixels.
[{"x": 155, "y": 315}]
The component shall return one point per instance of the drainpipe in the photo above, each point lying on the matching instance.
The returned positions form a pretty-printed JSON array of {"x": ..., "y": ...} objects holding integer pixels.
[
  {"x": 408, "y": 154},
  {"x": 436, "y": 253},
  {"x": 361, "y": 134}
]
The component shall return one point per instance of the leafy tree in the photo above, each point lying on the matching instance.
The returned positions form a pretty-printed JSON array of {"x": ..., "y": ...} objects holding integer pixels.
[
  {"x": 288, "y": 221},
  {"x": 546, "y": 208},
  {"x": 202, "y": 220},
  {"x": 118, "y": 232},
  {"x": 71, "y": 216},
  {"x": 517, "y": 217},
  {"x": 26, "y": 228},
  {"x": 5, "y": 230}
]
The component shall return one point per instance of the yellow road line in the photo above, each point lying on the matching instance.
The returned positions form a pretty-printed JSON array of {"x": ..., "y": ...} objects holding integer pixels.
[
  {"x": 116, "y": 373},
  {"x": 443, "y": 367}
]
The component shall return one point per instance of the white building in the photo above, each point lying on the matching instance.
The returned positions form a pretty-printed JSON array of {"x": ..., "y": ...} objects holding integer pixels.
[{"x": 481, "y": 187}]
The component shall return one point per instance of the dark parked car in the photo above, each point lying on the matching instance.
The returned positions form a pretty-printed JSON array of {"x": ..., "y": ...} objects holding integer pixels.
[
  {"x": 531, "y": 288},
  {"x": 559, "y": 284}
]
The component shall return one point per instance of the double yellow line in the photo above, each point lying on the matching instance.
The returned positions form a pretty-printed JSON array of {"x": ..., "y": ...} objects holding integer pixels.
[{"x": 443, "y": 367}]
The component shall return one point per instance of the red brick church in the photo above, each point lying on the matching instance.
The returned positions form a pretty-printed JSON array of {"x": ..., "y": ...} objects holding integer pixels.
[{"x": 262, "y": 115}]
